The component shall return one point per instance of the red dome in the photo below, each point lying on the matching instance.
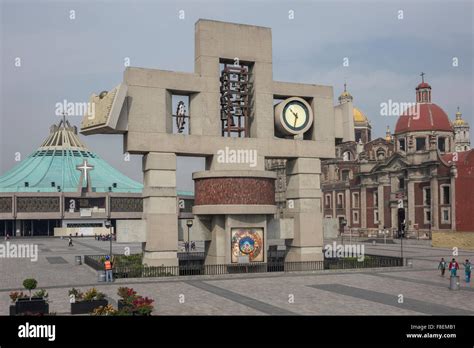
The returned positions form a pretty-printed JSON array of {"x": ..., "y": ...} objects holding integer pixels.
[
  {"x": 431, "y": 117},
  {"x": 423, "y": 85}
]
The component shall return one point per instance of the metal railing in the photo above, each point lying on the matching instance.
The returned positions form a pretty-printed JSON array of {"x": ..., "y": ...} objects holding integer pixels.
[{"x": 193, "y": 268}]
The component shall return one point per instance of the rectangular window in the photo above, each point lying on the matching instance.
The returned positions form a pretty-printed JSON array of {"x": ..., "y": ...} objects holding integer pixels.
[
  {"x": 427, "y": 216},
  {"x": 442, "y": 144},
  {"x": 376, "y": 216},
  {"x": 401, "y": 183},
  {"x": 355, "y": 217},
  {"x": 426, "y": 196},
  {"x": 420, "y": 144},
  {"x": 340, "y": 200},
  {"x": 445, "y": 215},
  {"x": 328, "y": 201},
  {"x": 446, "y": 194},
  {"x": 376, "y": 199},
  {"x": 345, "y": 175},
  {"x": 401, "y": 144},
  {"x": 355, "y": 200}
]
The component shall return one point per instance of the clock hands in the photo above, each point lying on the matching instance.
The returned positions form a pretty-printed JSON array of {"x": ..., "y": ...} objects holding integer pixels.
[{"x": 296, "y": 117}]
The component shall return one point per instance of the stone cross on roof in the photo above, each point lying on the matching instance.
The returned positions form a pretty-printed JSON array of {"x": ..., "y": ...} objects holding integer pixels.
[{"x": 84, "y": 168}]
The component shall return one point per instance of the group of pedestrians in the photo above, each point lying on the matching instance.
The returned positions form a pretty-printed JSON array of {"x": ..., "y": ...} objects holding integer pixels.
[
  {"x": 104, "y": 237},
  {"x": 191, "y": 245},
  {"x": 453, "y": 268}
]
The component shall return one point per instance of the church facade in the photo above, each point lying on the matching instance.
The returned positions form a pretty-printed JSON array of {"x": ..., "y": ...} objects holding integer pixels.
[
  {"x": 64, "y": 188},
  {"x": 419, "y": 178}
]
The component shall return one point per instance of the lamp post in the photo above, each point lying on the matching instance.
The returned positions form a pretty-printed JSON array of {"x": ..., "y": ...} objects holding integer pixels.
[
  {"x": 189, "y": 223},
  {"x": 108, "y": 224},
  {"x": 343, "y": 224},
  {"x": 402, "y": 234}
]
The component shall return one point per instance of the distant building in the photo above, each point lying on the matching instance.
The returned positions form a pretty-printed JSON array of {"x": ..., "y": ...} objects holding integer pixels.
[
  {"x": 412, "y": 176},
  {"x": 63, "y": 188},
  {"x": 461, "y": 133}
]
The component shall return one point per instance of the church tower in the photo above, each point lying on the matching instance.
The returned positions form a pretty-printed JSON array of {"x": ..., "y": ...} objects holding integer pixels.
[
  {"x": 362, "y": 127},
  {"x": 461, "y": 133}
]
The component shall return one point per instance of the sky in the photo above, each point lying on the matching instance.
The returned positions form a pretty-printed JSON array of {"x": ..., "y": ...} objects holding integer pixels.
[{"x": 51, "y": 51}]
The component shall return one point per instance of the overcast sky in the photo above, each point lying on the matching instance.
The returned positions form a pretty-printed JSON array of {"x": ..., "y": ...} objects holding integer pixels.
[{"x": 69, "y": 59}]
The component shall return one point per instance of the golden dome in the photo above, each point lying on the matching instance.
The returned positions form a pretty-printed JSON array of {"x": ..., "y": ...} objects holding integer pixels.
[
  {"x": 359, "y": 116},
  {"x": 459, "y": 121}
]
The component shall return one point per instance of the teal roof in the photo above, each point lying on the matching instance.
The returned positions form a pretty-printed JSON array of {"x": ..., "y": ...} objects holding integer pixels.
[{"x": 52, "y": 168}]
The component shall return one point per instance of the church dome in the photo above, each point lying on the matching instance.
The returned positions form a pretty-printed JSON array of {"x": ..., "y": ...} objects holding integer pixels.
[
  {"x": 426, "y": 116},
  {"x": 430, "y": 118},
  {"x": 459, "y": 121},
  {"x": 53, "y": 167},
  {"x": 359, "y": 116}
]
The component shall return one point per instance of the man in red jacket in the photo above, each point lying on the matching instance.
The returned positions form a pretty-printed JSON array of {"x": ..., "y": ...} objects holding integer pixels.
[{"x": 453, "y": 267}]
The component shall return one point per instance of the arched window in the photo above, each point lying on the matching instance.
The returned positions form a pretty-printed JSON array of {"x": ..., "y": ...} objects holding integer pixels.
[{"x": 347, "y": 156}]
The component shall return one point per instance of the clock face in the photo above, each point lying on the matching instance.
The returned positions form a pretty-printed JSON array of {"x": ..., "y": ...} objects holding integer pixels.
[{"x": 295, "y": 116}]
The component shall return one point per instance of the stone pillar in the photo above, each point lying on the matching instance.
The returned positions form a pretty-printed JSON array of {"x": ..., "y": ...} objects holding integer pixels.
[
  {"x": 219, "y": 245},
  {"x": 380, "y": 206},
  {"x": 160, "y": 210},
  {"x": 363, "y": 207},
  {"x": 347, "y": 205},
  {"x": 411, "y": 203},
  {"x": 304, "y": 189},
  {"x": 435, "y": 203}
]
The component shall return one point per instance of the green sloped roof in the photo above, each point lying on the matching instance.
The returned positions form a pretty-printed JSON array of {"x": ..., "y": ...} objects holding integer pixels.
[{"x": 55, "y": 162}]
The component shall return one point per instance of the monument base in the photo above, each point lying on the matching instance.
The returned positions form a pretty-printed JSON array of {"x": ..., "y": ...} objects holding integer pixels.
[
  {"x": 160, "y": 258},
  {"x": 300, "y": 254},
  {"x": 215, "y": 260}
]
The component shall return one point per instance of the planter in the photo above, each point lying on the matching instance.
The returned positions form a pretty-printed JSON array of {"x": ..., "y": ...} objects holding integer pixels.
[
  {"x": 33, "y": 306},
  {"x": 86, "y": 307},
  {"x": 121, "y": 305}
]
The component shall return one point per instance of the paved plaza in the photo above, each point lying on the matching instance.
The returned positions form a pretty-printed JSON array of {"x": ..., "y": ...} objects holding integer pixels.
[{"x": 341, "y": 292}]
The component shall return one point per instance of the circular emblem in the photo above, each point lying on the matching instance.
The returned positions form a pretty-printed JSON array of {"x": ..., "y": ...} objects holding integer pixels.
[{"x": 246, "y": 245}]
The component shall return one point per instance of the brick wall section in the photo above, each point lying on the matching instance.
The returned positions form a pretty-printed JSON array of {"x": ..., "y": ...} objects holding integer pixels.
[
  {"x": 236, "y": 190},
  {"x": 465, "y": 193},
  {"x": 450, "y": 239}
]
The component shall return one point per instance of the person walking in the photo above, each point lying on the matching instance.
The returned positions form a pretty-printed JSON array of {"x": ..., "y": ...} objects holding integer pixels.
[
  {"x": 109, "y": 277},
  {"x": 70, "y": 242},
  {"x": 453, "y": 267},
  {"x": 467, "y": 271},
  {"x": 442, "y": 266},
  {"x": 193, "y": 246}
]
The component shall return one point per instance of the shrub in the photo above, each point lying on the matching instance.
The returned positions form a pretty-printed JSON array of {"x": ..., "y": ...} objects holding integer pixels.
[
  {"x": 15, "y": 295},
  {"x": 89, "y": 295},
  {"x": 104, "y": 310},
  {"x": 41, "y": 293},
  {"x": 143, "y": 305},
  {"x": 30, "y": 284},
  {"x": 128, "y": 295},
  {"x": 78, "y": 295}
]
